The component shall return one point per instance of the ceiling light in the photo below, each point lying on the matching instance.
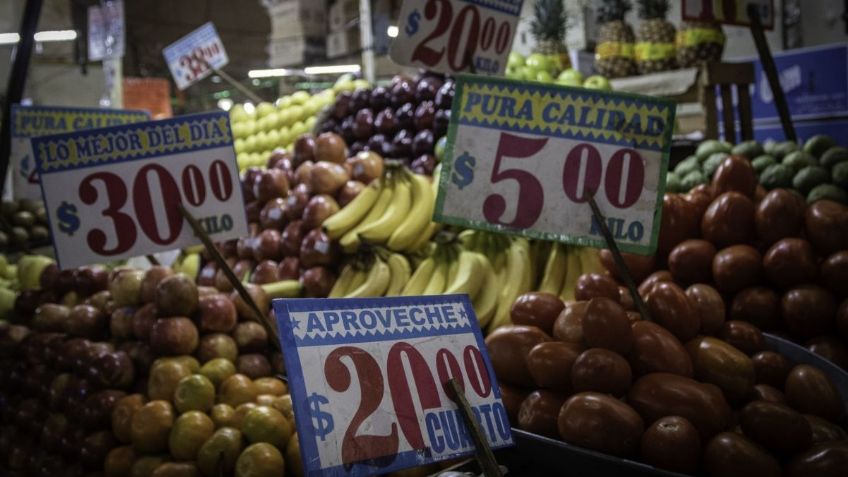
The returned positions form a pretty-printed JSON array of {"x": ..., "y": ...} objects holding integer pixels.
[
  {"x": 41, "y": 37},
  {"x": 392, "y": 31},
  {"x": 270, "y": 73},
  {"x": 56, "y": 35},
  {"x": 9, "y": 38},
  {"x": 331, "y": 69}
]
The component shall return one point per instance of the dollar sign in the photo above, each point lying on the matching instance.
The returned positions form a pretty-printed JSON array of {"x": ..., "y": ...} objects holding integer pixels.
[
  {"x": 463, "y": 170},
  {"x": 412, "y": 22},
  {"x": 322, "y": 421},
  {"x": 68, "y": 220}
]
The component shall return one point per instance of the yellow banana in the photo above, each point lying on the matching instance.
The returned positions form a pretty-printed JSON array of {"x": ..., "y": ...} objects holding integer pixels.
[
  {"x": 342, "y": 285},
  {"x": 468, "y": 277},
  {"x": 283, "y": 289},
  {"x": 590, "y": 260},
  {"x": 517, "y": 278},
  {"x": 401, "y": 272},
  {"x": 425, "y": 237},
  {"x": 376, "y": 283},
  {"x": 350, "y": 240},
  {"x": 420, "y": 278},
  {"x": 555, "y": 269},
  {"x": 437, "y": 281},
  {"x": 342, "y": 221},
  {"x": 573, "y": 272},
  {"x": 380, "y": 230},
  {"x": 486, "y": 301},
  {"x": 419, "y": 216}
]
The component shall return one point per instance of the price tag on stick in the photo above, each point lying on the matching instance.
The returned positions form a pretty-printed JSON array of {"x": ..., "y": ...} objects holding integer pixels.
[
  {"x": 524, "y": 157},
  {"x": 113, "y": 193},
  {"x": 369, "y": 382},
  {"x": 454, "y": 36},
  {"x": 192, "y": 57}
]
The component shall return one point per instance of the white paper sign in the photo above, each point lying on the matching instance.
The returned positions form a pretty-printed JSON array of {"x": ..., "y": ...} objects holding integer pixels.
[
  {"x": 113, "y": 193},
  {"x": 456, "y": 36},
  {"x": 190, "y": 57}
]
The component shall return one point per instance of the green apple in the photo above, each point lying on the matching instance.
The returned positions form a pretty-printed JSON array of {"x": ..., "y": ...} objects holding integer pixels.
[
  {"x": 243, "y": 160},
  {"x": 310, "y": 122},
  {"x": 597, "y": 82},
  {"x": 251, "y": 143},
  {"x": 515, "y": 60},
  {"x": 273, "y": 139},
  {"x": 299, "y": 97},
  {"x": 271, "y": 121},
  {"x": 538, "y": 62},
  {"x": 285, "y": 135},
  {"x": 544, "y": 76},
  {"x": 571, "y": 77},
  {"x": 440, "y": 148},
  {"x": 238, "y": 145},
  {"x": 284, "y": 102},
  {"x": 296, "y": 113},
  {"x": 29, "y": 271},
  {"x": 361, "y": 84},
  {"x": 7, "y": 302},
  {"x": 237, "y": 113},
  {"x": 516, "y": 73},
  {"x": 250, "y": 128}
]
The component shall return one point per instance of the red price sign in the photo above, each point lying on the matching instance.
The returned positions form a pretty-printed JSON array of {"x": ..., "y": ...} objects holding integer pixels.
[
  {"x": 729, "y": 12},
  {"x": 192, "y": 57},
  {"x": 456, "y": 35},
  {"x": 524, "y": 158},
  {"x": 113, "y": 193},
  {"x": 369, "y": 381}
]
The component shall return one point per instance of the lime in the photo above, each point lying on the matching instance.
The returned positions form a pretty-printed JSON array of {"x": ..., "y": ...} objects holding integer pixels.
[
  {"x": 194, "y": 393},
  {"x": 264, "y": 424},
  {"x": 223, "y": 446},
  {"x": 237, "y": 389},
  {"x": 223, "y": 415},
  {"x": 217, "y": 370},
  {"x": 190, "y": 431},
  {"x": 260, "y": 460},
  {"x": 270, "y": 386}
]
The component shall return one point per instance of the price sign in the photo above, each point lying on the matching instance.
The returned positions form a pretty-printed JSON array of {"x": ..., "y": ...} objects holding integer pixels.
[
  {"x": 729, "y": 12},
  {"x": 32, "y": 121},
  {"x": 455, "y": 36},
  {"x": 523, "y": 158},
  {"x": 368, "y": 380},
  {"x": 191, "y": 57},
  {"x": 112, "y": 193}
]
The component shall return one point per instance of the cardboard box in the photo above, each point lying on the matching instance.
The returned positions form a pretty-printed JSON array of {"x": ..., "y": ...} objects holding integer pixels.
[
  {"x": 343, "y": 43},
  {"x": 290, "y": 18},
  {"x": 295, "y": 51},
  {"x": 342, "y": 14}
]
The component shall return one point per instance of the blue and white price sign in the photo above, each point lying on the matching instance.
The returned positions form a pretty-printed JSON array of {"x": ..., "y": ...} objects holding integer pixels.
[
  {"x": 456, "y": 36},
  {"x": 369, "y": 381},
  {"x": 191, "y": 57}
]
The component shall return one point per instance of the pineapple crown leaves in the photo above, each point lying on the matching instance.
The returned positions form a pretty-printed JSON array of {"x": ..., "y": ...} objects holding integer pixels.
[
  {"x": 549, "y": 20},
  {"x": 650, "y": 9},
  {"x": 613, "y": 10}
]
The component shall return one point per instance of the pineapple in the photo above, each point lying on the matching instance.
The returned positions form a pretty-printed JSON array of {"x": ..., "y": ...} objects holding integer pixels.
[
  {"x": 614, "y": 53},
  {"x": 655, "y": 48},
  {"x": 548, "y": 29},
  {"x": 699, "y": 42}
]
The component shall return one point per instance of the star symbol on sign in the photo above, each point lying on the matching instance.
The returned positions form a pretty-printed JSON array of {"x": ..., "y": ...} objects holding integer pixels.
[
  {"x": 463, "y": 314},
  {"x": 295, "y": 324}
]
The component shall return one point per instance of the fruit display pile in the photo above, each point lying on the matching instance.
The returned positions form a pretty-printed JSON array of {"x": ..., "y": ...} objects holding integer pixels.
[
  {"x": 818, "y": 169},
  {"x": 403, "y": 120},
  {"x": 23, "y": 225},
  {"x": 128, "y": 372}
]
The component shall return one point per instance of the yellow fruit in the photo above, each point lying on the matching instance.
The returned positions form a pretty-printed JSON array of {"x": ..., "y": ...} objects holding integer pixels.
[
  {"x": 194, "y": 393},
  {"x": 217, "y": 370},
  {"x": 151, "y": 426},
  {"x": 241, "y": 412},
  {"x": 237, "y": 389},
  {"x": 122, "y": 415},
  {"x": 223, "y": 415},
  {"x": 270, "y": 386},
  {"x": 119, "y": 462},
  {"x": 164, "y": 377},
  {"x": 190, "y": 431},
  {"x": 145, "y": 466},
  {"x": 264, "y": 424},
  {"x": 224, "y": 446},
  {"x": 260, "y": 460}
]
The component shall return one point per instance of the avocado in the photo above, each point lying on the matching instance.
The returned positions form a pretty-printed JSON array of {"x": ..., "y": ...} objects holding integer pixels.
[
  {"x": 749, "y": 149},
  {"x": 693, "y": 179},
  {"x": 798, "y": 160},
  {"x": 784, "y": 148},
  {"x": 687, "y": 165},
  {"x": 818, "y": 144},
  {"x": 672, "y": 183},
  {"x": 840, "y": 174},
  {"x": 809, "y": 177},
  {"x": 833, "y": 156},
  {"x": 827, "y": 191},
  {"x": 776, "y": 175},
  {"x": 761, "y": 162},
  {"x": 709, "y": 147},
  {"x": 711, "y": 164}
]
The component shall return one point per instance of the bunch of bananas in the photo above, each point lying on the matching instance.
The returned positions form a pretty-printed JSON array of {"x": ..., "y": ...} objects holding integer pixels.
[
  {"x": 562, "y": 265},
  {"x": 394, "y": 211}
]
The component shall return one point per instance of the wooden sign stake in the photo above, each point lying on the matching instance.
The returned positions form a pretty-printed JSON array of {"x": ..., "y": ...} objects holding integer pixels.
[
  {"x": 260, "y": 317},
  {"x": 770, "y": 69},
  {"x": 485, "y": 456},
  {"x": 619, "y": 260}
]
